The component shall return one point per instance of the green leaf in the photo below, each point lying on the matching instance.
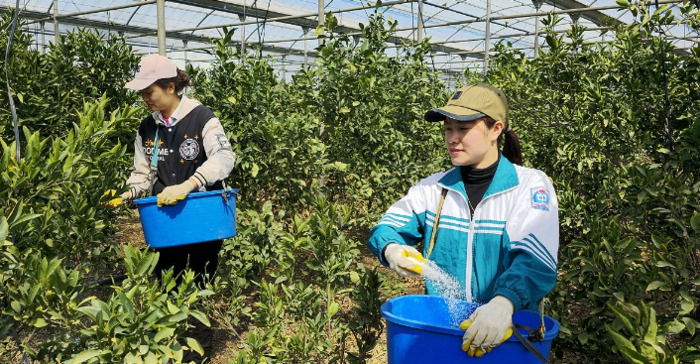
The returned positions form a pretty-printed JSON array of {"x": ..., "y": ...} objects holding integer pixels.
[
  {"x": 163, "y": 333},
  {"x": 686, "y": 307},
  {"x": 344, "y": 110},
  {"x": 354, "y": 277},
  {"x": 255, "y": 170},
  {"x": 673, "y": 327},
  {"x": 620, "y": 340},
  {"x": 194, "y": 345},
  {"x": 664, "y": 264},
  {"x": 145, "y": 265},
  {"x": 654, "y": 285},
  {"x": 150, "y": 358},
  {"x": 85, "y": 356},
  {"x": 695, "y": 221},
  {"x": 40, "y": 322},
  {"x": 583, "y": 337},
  {"x": 690, "y": 325},
  {"x": 340, "y": 165},
  {"x": 333, "y": 308},
  {"x": 24, "y": 218},
  {"x": 201, "y": 317},
  {"x": 3, "y": 229},
  {"x": 634, "y": 357},
  {"x": 623, "y": 316}
]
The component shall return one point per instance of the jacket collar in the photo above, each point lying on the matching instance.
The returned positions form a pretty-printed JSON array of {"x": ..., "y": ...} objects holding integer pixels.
[
  {"x": 505, "y": 178},
  {"x": 186, "y": 105}
]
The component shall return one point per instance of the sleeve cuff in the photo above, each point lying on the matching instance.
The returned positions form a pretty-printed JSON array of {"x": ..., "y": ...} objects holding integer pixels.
[
  {"x": 512, "y": 296},
  {"x": 199, "y": 178}
]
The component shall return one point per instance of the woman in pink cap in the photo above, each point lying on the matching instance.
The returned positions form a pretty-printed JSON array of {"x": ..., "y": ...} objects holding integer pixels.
[{"x": 192, "y": 154}]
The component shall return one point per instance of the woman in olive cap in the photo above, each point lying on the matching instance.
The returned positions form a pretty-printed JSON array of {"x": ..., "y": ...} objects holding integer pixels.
[{"x": 497, "y": 231}]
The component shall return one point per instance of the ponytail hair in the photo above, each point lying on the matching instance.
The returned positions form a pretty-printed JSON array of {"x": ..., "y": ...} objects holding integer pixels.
[
  {"x": 180, "y": 81},
  {"x": 511, "y": 143},
  {"x": 511, "y": 147}
]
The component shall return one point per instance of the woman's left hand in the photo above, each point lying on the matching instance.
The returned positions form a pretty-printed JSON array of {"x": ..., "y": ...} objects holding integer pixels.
[
  {"x": 488, "y": 326},
  {"x": 172, "y": 194}
]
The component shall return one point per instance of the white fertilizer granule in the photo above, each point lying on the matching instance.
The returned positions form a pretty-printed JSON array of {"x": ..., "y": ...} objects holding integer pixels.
[{"x": 448, "y": 287}]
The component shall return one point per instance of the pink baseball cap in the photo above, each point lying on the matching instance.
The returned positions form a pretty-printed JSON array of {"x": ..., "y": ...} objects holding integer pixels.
[{"x": 152, "y": 68}]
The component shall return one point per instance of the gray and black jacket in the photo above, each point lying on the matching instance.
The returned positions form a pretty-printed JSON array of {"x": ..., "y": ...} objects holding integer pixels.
[{"x": 195, "y": 145}]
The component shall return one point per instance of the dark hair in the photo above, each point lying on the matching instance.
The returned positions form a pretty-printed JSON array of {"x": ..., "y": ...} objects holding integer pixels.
[
  {"x": 511, "y": 143},
  {"x": 181, "y": 81}
]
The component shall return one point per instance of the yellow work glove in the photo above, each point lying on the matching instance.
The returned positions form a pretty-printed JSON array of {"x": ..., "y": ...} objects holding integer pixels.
[
  {"x": 115, "y": 202},
  {"x": 487, "y": 327},
  {"x": 404, "y": 260},
  {"x": 172, "y": 194}
]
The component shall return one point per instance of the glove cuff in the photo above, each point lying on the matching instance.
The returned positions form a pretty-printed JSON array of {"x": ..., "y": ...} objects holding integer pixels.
[
  {"x": 505, "y": 302},
  {"x": 198, "y": 180}
]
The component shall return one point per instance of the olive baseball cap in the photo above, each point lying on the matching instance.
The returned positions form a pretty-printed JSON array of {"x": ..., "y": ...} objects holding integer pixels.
[
  {"x": 152, "y": 68},
  {"x": 473, "y": 102}
]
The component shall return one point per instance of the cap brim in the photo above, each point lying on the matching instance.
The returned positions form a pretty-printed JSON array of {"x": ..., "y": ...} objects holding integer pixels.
[
  {"x": 455, "y": 112},
  {"x": 139, "y": 84}
]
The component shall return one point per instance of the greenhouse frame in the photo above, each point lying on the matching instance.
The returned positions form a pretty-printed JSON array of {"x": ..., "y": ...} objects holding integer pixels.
[{"x": 462, "y": 33}]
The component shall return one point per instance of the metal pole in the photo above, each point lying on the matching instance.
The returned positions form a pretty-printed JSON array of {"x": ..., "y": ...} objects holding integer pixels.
[
  {"x": 420, "y": 20},
  {"x": 321, "y": 12},
  {"x": 242, "y": 28},
  {"x": 412, "y": 19},
  {"x": 56, "y": 32},
  {"x": 284, "y": 69},
  {"x": 93, "y": 11},
  {"x": 161, "y": 26},
  {"x": 43, "y": 37},
  {"x": 530, "y": 15},
  {"x": 292, "y": 17},
  {"x": 321, "y": 17},
  {"x": 321, "y": 129},
  {"x": 487, "y": 41},
  {"x": 306, "y": 46},
  {"x": 538, "y": 5}
]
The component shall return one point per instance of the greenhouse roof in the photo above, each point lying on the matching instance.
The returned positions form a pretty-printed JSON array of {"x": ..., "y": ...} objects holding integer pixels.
[{"x": 457, "y": 28}]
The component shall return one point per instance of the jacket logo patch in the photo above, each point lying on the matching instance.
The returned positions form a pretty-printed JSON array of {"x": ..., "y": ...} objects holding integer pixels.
[
  {"x": 457, "y": 95},
  {"x": 223, "y": 142},
  {"x": 189, "y": 149},
  {"x": 539, "y": 198}
]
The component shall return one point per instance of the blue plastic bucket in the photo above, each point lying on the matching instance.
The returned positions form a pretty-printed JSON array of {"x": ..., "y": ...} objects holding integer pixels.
[
  {"x": 419, "y": 330},
  {"x": 202, "y": 216}
]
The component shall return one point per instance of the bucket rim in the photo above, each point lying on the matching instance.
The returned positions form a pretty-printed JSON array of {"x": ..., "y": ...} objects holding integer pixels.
[
  {"x": 196, "y": 195},
  {"x": 450, "y": 330}
]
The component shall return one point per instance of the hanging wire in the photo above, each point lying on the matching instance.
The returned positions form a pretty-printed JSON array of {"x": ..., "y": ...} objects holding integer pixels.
[
  {"x": 7, "y": 80},
  {"x": 261, "y": 40},
  {"x": 13, "y": 110}
]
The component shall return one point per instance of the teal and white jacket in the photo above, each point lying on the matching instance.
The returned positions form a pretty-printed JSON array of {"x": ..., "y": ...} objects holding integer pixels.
[{"x": 508, "y": 248}]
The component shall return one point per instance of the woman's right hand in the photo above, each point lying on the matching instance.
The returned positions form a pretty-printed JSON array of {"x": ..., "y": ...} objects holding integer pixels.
[
  {"x": 404, "y": 260},
  {"x": 115, "y": 202}
]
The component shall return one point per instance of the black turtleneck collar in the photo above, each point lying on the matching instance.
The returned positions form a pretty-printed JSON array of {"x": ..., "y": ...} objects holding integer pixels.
[{"x": 477, "y": 180}]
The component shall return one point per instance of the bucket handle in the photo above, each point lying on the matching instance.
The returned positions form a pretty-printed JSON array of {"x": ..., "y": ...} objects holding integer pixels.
[
  {"x": 534, "y": 335},
  {"x": 436, "y": 224}
]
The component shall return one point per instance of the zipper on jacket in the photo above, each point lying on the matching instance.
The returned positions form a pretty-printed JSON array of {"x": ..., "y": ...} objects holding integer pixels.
[
  {"x": 471, "y": 242},
  {"x": 470, "y": 248}
]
